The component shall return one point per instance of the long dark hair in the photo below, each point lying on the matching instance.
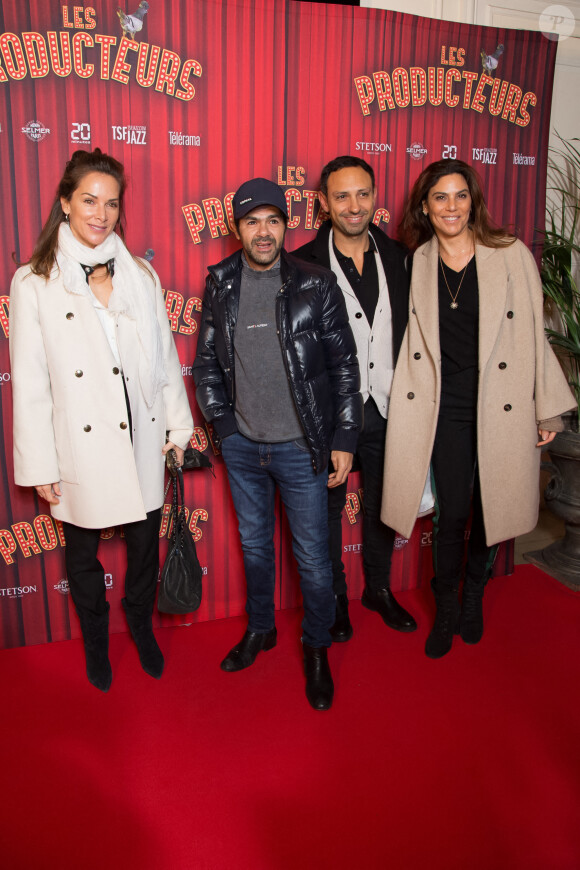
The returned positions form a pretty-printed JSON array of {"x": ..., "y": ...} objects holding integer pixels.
[
  {"x": 416, "y": 227},
  {"x": 81, "y": 163}
]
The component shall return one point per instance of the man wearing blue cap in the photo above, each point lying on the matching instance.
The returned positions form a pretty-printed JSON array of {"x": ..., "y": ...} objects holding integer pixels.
[{"x": 277, "y": 376}]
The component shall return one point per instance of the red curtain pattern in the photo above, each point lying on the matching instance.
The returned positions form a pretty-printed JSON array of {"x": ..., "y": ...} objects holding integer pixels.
[{"x": 207, "y": 95}]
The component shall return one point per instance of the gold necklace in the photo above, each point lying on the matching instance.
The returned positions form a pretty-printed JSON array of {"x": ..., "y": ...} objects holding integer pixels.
[{"x": 454, "y": 303}]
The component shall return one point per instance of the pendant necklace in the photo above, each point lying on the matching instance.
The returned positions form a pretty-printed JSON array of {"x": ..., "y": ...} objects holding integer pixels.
[{"x": 454, "y": 303}]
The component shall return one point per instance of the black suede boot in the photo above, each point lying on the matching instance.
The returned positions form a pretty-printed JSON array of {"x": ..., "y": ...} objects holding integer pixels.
[
  {"x": 95, "y": 629},
  {"x": 446, "y": 620},
  {"x": 471, "y": 622},
  {"x": 319, "y": 685},
  {"x": 341, "y": 631},
  {"x": 139, "y": 619}
]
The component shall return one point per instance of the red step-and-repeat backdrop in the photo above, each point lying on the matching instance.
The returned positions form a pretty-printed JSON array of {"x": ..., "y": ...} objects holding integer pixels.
[{"x": 199, "y": 98}]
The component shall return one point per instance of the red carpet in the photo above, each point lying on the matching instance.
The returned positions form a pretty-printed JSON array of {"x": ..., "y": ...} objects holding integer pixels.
[{"x": 471, "y": 762}]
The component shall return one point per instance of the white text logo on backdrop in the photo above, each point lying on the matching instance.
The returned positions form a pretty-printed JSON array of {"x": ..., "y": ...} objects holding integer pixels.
[
  {"x": 176, "y": 138},
  {"x": 131, "y": 134},
  {"x": 416, "y": 151},
  {"x": 484, "y": 155},
  {"x": 80, "y": 134},
  {"x": 36, "y": 131}
]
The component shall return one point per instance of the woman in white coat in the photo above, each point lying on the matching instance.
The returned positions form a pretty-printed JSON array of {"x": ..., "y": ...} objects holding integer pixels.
[
  {"x": 476, "y": 382},
  {"x": 98, "y": 398}
]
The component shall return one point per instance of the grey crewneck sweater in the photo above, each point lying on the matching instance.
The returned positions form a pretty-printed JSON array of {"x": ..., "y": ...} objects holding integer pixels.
[{"x": 265, "y": 409}]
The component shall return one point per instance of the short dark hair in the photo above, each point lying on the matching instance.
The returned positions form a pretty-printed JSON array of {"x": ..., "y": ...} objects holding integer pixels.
[{"x": 344, "y": 162}]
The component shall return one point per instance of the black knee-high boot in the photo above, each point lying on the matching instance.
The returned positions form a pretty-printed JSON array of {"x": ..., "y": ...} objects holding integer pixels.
[
  {"x": 95, "y": 629},
  {"x": 446, "y": 620},
  {"x": 139, "y": 620},
  {"x": 471, "y": 622}
]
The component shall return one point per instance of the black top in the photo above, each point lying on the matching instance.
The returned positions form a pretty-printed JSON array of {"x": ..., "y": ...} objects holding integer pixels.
[
  {"x": 458, "y": 336},
  {"x": 365, "y": 286}
]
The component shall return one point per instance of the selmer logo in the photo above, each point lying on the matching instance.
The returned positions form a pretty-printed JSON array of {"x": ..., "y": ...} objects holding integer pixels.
[
  {"x": 416, "y": 151},
  {"x": 36, "y": 131}
]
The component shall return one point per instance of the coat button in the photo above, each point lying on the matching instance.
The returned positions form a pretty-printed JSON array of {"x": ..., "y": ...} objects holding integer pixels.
[
  {"x": 509, "y": 315},
  {"x": 417, "y": 355},
  {"x": 358, "y": 315},
  {"x": 502, "y": 365},
  {"x": 410, "y": 395},
  {"x": 78, "y": 373},
  {"x": 70, "y": 316},
  {"x": 413, "y": 311},
  {"x": 115, "y": 371},
  {"x": 87, "y": 428},
  {"x": 507, "y": 407},
  {"x": 123, "y": 425},
  {"x": 371, "y": 365},
  {"x": 152, "y": 419}
]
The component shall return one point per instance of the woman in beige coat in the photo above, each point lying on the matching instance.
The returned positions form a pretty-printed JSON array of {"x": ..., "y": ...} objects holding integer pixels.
[
  {"x": 475, "y": 384},
  {"x": 98, "y": 397}
]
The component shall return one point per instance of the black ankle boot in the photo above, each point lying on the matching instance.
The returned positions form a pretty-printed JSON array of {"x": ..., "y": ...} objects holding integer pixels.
[
  {"x": 446, "y": 621},
  {"x": 471, "y": 622},
  {"x": 341, "y": 631},
  {"x": 95, "y": 629},
  {"x": 151, "y": 657},
  {"x": 319, "y": 685},
  {"x": 244, "y": 653}
]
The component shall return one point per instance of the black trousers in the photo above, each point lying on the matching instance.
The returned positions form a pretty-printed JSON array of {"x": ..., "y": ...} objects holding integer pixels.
[
  {"x": 378, "y": 539},
  {"x": 85, "y": 573},
  {"x": 455, "y": 478}
]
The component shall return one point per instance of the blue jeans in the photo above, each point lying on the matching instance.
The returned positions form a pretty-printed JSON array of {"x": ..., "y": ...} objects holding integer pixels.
[{"x": 254, "y": 471}]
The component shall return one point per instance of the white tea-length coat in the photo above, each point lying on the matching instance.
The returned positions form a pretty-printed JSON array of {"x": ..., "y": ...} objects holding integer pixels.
[
  {"x": 70, "y": 413},
  {"x": 521, "y": 384}
]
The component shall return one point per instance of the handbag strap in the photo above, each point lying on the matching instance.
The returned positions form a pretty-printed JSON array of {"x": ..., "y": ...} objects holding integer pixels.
[{"x": 178, "y": 507}]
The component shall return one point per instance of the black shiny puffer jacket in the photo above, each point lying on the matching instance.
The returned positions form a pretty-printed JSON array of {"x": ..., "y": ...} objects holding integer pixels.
[{"x": 317, "y": 345}]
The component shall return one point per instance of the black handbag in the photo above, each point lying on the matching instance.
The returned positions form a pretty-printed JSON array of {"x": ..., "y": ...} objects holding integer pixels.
[
  {"x": 192, "y": 459},
  {"x": 180, "y": 587}
]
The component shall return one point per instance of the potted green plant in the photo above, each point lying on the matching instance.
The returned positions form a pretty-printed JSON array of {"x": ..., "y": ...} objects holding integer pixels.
[{"x": 560, "y": 250}]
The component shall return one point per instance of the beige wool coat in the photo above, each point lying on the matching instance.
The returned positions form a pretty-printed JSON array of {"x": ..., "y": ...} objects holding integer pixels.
[
  {"x": 69, "y": 408},
  {"x": 521, "y": 384}
]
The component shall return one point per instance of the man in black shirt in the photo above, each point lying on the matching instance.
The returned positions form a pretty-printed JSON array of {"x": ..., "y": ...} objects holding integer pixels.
[{"x": 371, "y": 271}]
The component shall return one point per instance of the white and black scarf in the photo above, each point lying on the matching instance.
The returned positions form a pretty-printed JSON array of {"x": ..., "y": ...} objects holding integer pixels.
[{"x": 130, "y": 297}]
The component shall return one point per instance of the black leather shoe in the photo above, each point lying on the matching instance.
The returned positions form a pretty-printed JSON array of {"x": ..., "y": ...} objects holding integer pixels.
[
  {"x": 319, "y": 685},
  {"x": 244, "y": 653},
  {"x": 341, "y": 631},
  {"x": 383, "y": 601}
]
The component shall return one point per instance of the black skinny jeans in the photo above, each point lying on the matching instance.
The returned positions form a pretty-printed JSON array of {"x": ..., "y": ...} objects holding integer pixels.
[
  {"x": 85, "y": 573},
  {"x": 378, "y": 539},
  {"x": 455, "y": 478}
]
